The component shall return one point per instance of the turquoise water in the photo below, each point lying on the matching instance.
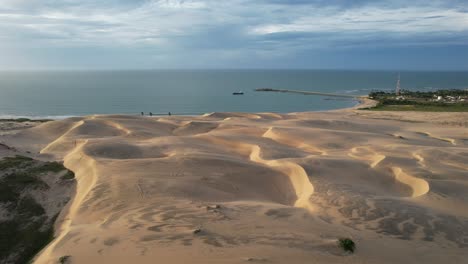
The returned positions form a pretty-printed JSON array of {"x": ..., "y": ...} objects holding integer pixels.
[{"x": 56, "y": 94}]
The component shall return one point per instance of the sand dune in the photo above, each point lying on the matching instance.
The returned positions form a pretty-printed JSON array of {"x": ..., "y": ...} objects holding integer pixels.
[
  {"x": 419, "y": 186},
  {"x": 266, "y": 188},
  {"x": 232, "y": 115},
  {"x": 193, "y": 128},
  {"x": 299, "y": 178},
  {"x": 277, "y": 136},
  {"x": 366, "y": 154},
  {"x": 449, "y": 140}
]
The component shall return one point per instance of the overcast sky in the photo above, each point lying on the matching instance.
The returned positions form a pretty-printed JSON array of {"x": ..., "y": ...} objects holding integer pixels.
[{"x": 144, "y": 34}]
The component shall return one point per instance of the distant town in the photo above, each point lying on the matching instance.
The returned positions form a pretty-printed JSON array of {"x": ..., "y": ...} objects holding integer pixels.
[{"x": 405, "y": 100}]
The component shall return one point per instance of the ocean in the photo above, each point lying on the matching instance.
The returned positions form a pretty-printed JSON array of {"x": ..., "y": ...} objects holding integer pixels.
[{"x": 58, "y": 94}]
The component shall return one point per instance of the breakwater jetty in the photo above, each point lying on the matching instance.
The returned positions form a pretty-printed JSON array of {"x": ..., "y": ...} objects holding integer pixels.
[{"x": 308, "y": 93}]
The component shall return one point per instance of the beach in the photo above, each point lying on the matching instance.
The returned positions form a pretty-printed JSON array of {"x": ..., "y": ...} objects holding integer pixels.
[{"x": 258, "y": 187}]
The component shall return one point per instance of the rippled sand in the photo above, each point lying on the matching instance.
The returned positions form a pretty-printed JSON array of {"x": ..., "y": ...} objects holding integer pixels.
[{"x": 273, "y": 188}]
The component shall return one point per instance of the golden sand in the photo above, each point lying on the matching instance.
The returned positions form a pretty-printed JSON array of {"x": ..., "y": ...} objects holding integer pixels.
[{"x": 269, "y": 188}]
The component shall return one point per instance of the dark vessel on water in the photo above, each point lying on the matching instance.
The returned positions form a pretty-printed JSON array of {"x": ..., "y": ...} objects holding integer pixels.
[{"x": 238, "y": 93}]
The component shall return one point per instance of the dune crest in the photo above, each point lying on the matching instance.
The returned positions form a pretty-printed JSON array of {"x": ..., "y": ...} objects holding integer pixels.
[
  {"x": 367, "y": 154},
  {"x": 119, "y": 127},
  {"x": 85, "y": 175},
  {"x": 444, "y": 139},
  {"x": 272, "y": 134},
  {"x": 299, "y": 178},
  {"x": 419, "y": 186},
  {"x": 59, "y": 142}
]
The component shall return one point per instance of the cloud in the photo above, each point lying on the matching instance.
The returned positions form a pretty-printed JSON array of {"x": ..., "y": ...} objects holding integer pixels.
[
  {"x": 371, "y": 19},
  {"x": 236, "y": 30}
]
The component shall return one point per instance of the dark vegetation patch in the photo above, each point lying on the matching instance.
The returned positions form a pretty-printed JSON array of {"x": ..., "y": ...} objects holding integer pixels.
[
  {"x": 13, "y": 162},
  {"x": 49, "y": 167},
  {"x": 22, "y": 120},
  {"x": 347, "y": 244},
  {"x": 27, "y": 227},
  {"x": 420, "y": 95},
  {"x": 428, "y": 101},
  {"x": 64, "y": 259},
  {"x": 424, "y": 107}
]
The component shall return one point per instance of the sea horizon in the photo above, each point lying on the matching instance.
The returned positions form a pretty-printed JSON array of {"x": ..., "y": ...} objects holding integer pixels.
[{"x": 395, "y": 70}]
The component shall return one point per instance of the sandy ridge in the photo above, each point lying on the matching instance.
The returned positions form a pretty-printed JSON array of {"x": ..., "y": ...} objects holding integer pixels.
[
  {"x": 299, "y": 178},
  {"x": 419, "y": 186}
]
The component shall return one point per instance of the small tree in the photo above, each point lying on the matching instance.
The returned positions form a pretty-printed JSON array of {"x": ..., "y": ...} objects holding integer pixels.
[
  {"x": 347, "y": 244},
  {"x": 64, "y": 259}
]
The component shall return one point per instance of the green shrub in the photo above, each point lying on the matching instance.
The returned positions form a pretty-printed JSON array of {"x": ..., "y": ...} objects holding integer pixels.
[
  {"x": 347, "y": 244},
  {"x": 49, "y": 167},
  {"x": 13, "y": 162},
  {"x": 64, "y": 259}
]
